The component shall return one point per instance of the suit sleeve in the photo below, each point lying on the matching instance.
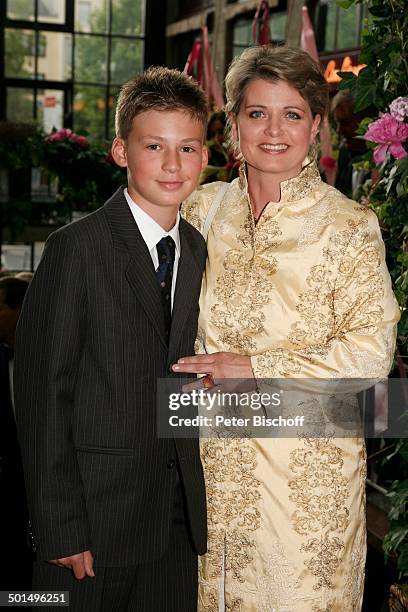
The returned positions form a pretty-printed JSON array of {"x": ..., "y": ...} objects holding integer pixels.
[
  {"x": 362, "y": 314},
  {"x": 49, "y": 341}
]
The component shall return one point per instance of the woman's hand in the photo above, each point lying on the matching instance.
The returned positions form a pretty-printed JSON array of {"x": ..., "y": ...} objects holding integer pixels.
[{"x": 217, "y": 365}]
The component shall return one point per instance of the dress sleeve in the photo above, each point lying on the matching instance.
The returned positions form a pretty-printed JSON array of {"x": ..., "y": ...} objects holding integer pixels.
[
  {"x": 195, "y": 208},
  {"x": 347, "y": 320}
]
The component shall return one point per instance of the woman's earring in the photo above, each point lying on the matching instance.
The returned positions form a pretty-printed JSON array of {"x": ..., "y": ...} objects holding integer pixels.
[{"x": 313, "y": 152}]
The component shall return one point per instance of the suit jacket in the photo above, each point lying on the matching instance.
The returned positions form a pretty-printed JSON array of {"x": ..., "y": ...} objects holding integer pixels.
[
  {"x": 13, "y": 504},
  {"x": 90, "y": 347}
]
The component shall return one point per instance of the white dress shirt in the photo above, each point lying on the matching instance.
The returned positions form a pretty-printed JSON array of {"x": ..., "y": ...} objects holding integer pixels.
[{"x": 152, "y": 233}]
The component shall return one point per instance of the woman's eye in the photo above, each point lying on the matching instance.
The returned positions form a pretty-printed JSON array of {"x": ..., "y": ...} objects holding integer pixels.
[
  {"x": 292, "y": 115},
  {"x": 256, "y": 114},
  {"x": 153, "y": 147}
]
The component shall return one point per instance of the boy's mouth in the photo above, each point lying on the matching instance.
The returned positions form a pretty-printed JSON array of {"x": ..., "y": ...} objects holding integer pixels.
[{"x": 171, "y": 185}]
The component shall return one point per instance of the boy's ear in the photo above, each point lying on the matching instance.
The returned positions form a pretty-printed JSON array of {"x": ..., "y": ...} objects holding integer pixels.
[{"x": 119, "y": 152}]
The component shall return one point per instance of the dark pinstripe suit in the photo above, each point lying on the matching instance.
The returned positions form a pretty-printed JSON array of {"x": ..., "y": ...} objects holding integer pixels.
[{"x": 90, "y": 346}]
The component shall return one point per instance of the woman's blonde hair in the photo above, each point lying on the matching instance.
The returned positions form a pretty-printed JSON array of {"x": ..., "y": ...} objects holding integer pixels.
[{"x": 294, "y": 66}]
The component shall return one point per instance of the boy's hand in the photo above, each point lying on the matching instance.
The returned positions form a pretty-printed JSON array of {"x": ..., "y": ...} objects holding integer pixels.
[{"x": 81, "y": 564}]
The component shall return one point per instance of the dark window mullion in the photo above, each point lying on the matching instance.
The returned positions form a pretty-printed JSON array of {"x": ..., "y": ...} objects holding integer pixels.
[
  {"x": 36, "y": 43},
  {"x": 108, "y": 70}
]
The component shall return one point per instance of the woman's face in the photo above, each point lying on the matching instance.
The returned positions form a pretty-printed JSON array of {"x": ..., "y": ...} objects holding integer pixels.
[{"x": 274, "y": 128}]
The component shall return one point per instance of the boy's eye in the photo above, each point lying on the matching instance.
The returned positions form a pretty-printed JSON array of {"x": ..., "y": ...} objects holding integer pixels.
[
  {"x": 153, "y": 147},
  {"x": 293, "y": 115},
  {"x": 256, "y": 114},
  {"x": 187, "y": 149}
]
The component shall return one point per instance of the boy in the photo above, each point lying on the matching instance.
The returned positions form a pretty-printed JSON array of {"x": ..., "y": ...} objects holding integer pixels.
[{"x": 118, "y": 514}]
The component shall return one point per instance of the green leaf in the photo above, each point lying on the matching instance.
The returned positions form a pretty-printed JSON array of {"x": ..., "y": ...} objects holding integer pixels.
[
  {"x": 380, "y": 10},
  {"x": 345, "y": 4}
]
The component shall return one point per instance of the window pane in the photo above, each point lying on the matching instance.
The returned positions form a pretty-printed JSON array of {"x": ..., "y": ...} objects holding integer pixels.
[
  {"x": 20, "y": 9},
  {"x": 91, "y": 16},
  {"x": 330, "y": 29},
  {"x": 277, "y": 23},
  {"x": 126, "y": 59},
  {"x": 128, "y": 17},
  {"x": 19, "y": 53},
  {"x": 90, "y": 58},
  {"x": 19, "y": 104},
  {"x": 242, "y": 32},
  {"x": 347, "y": 36},
  {"x": 54, "y": 57},
  {"x": 113, "y": 98},
  {"x": 89, "y": 112},
  {"x": 50, "y": 109},
  {"x": 51, "y": 11}
]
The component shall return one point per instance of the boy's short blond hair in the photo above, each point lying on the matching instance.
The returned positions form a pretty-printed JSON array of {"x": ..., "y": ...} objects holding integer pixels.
[{"x": 161, "y": 89}]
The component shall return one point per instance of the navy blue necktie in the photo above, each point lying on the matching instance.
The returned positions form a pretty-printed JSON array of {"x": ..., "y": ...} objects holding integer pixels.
[{"x": 165, "y": 252}]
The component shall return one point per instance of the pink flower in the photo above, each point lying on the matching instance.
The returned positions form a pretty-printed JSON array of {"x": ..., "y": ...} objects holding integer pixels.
[
  {"x": 399, "y": 108},
  {"x": 62, "y": 134},
  {"x": 82, "y": 141},
  {"x": 327, "y": 162},
  {"x": 67, "y": 134},
  {"x": 389, "y": 133}
]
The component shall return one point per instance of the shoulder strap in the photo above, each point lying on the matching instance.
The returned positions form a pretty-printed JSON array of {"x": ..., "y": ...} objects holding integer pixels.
[{"x": 213, "y": 209}]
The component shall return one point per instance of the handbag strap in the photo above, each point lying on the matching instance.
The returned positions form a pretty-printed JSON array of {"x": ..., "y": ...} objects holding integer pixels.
[{"x": 213, "y": 209}]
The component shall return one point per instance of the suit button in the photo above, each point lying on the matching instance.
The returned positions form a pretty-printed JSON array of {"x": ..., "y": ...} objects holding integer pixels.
[{"x": 171, "y": 464}]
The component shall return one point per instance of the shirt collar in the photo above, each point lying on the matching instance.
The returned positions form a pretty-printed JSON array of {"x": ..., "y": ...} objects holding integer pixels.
[
  {"x": 151, "y": 231},
  {"x": 293, "y": 189}
]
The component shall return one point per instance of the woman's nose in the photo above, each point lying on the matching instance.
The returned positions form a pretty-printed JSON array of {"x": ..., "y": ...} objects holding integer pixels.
[{"x": 274, "y": 126}]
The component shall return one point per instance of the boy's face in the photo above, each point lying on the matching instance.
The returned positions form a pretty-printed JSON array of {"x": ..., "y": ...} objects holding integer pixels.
[{"x": 164, "y": 155}]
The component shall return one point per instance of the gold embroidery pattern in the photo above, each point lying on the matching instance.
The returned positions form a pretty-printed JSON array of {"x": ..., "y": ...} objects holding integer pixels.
[
  {"x": 234, "y": 605},
  {"x": 293, "y": 189},
  {"x": 354, "y": 587},
  {"x": 319, "y": 492},
  {"x": 233, "y": 494},
  {"x": 321, "y": 215},
  {"x": 343, "y": 293},
  {"x": 245, "y": 274},
  {"x": 326, "y": 558},
  {"x": 191, "y": 215},
  {"x": 328, "y": 608},
  {"x": 211, "y": 597}
]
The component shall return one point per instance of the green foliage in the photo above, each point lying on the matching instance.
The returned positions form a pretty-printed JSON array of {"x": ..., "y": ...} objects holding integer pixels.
[
  {"x": 384, "y": 50},
  {"x": 86, "y": 175}
]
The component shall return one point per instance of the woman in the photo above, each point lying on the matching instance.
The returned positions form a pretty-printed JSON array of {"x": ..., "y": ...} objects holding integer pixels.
[{"x": 295, "y": 286}]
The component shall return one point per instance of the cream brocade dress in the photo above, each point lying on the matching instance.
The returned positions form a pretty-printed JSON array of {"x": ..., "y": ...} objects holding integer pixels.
[{"x": 306, "y": 293}]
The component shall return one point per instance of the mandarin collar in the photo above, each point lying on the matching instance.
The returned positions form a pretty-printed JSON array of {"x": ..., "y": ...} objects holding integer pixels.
[{"x": 292, "y": 190}]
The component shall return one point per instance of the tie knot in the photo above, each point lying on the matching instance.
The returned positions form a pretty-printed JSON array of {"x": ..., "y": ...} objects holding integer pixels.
[{"x": 166, "y": 249}]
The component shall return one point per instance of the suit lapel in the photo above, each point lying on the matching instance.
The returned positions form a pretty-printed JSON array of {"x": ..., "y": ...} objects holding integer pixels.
[
  {"x": 139, "y": 273},
  {"x": 189, "y": 276}
]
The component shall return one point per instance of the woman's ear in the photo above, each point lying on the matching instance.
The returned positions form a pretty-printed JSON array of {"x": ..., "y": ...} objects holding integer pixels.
[
  {"x": 315, "y": 128},
  {"x": 234, "y": 127},
  {"x": 119, "y": 152}
]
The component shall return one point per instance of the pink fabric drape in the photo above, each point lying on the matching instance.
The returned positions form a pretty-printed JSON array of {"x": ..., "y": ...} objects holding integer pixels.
[
  {"x": 263, "y": 37},
  {"x": 199, "y": 64},
  {"x": 308, "y": 44}
]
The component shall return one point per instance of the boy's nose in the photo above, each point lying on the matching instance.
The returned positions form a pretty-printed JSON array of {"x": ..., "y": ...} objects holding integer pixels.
[{"x": 171, "y": 162}]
